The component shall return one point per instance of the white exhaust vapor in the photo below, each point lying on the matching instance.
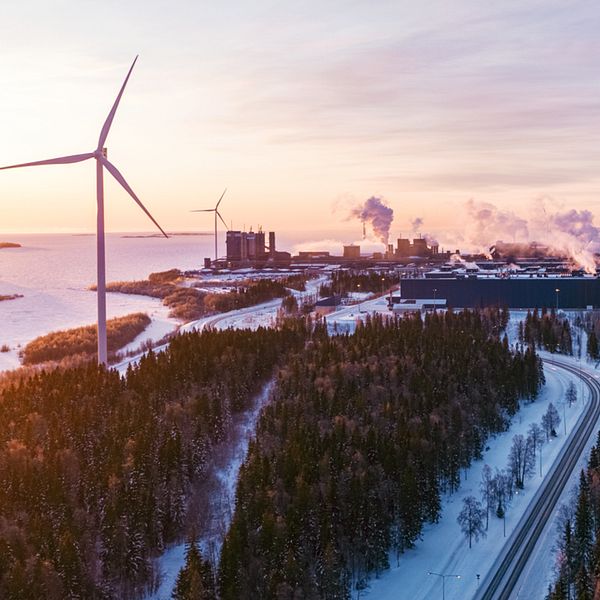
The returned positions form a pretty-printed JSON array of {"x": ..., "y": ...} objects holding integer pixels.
[
  {"x": 377, "y": 215},
  {"x": 570, "y": 233},
  {"x": 102, "y": 162}
]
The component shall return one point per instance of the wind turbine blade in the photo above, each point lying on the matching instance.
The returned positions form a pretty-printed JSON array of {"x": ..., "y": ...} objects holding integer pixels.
[
  {"x": 221, "y": 198},
  {"x": 113, "y": 110},
  {"x": 204, "y": 210},
  {"x": 117, "y": 175},
  {"x": 63, "y": 160},
  {"x": 222, "y": 220}
]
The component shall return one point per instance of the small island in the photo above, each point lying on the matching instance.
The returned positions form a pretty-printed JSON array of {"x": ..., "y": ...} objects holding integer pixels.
[
  {"x": 10, "y": 297},
  {"x": 9, "y": 245}
]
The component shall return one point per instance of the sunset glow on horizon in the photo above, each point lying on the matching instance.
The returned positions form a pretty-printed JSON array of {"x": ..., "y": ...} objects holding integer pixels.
[{"x": 300, "y": 111}]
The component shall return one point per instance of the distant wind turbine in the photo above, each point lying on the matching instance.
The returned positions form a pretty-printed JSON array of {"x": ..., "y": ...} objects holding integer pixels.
[
  {"x": 217, "y": 214},
  {"x": 99, "y": 154}
]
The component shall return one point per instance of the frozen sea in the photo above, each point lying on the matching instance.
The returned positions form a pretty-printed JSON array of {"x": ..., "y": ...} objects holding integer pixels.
[{"x": 54, "y": 271}]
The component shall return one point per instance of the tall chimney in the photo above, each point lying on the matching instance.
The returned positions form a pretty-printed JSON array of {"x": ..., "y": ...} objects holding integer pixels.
[{"x": 272, "y": 244}]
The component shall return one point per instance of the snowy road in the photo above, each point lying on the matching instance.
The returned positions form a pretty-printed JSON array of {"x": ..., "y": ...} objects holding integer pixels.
[
  {"x": 502, "y": 584},
  {"x": 443, "y": 549}
]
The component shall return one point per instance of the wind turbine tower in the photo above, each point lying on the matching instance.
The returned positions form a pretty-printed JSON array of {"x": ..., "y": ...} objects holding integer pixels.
[
  {"x": 100, "y": 156},
  {"x": 217, "y": 214}
]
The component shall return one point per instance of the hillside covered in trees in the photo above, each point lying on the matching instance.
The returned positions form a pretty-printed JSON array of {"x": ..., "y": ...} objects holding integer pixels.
[
  {"x": 363, "y": 435},
  {"x": 98, "y": 472},
  {"x": 364, "y": 432}
]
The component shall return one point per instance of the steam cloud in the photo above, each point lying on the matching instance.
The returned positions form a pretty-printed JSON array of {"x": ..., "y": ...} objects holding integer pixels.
[
  {"x": 486, "y": 219},
  {"x": 376, "y": 215},
  {"x": 571, "y": 232},
  {"x": 416, "y": 224}
]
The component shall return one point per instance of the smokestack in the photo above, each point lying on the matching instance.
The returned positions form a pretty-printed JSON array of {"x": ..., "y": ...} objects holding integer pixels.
[
  {"x": 272, "y": 244},
  {"x": 376, "y": 214}
]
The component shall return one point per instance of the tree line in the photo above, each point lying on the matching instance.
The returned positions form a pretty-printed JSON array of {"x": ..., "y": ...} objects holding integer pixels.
[
  {"x": 362, "y": 436},
  {"x": 345, "y": 281},
  {"x": 578, "y": 544},
  {"x": 98, "y": 472},
  {"x": 547, "y": 330}
]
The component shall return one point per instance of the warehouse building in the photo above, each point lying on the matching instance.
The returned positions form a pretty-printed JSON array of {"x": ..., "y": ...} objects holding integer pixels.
[{"x": 513, "y": 292}]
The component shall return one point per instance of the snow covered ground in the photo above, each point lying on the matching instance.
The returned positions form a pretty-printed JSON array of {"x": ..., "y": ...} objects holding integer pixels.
[
  {"x": 444, "y": 549},
  {"x": 539, "y": 571},
  {"x": 222, "y": 501}
]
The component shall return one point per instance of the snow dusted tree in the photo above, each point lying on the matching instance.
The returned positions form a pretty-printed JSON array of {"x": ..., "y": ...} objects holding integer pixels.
[
  {"x": 488, "y": 493},
  {"x": 550, "y": 421},
  {"x": 470, "y": 519},
  {"x": 535, "y": 436},
  {"x": 521, "y": 459},
  {"x": 592, "y": 345},
  {"x": 195, "y": 580},
  {"x": 571, "y": 395}
]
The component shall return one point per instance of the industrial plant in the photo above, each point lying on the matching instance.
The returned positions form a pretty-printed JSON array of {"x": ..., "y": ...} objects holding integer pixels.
[{"x": 248, "y": 247}]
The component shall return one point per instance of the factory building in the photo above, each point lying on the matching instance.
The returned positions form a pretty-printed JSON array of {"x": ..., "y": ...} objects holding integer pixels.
[
  {"x": 418, "y": 248},
  {"x": 250, "y": 247},
  {"x": 513, "y": 292},
  {"x": 351, "y": 251},
  {"x": 243, "y": 245}
]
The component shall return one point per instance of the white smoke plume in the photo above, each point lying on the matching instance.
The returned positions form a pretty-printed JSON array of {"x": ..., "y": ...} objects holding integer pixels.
[
  {"x": 431, "y": 241},
  {"x": 488, "y": 223},
  {"x": 416, "y": 224},
  {"x": 569, "y": 233},
  {"x": 572, "y": 232},
  {"x": 376, "y": 215},
  {"x": 458, "y": 259}
]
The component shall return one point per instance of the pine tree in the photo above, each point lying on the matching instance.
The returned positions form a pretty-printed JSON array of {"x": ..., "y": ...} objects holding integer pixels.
[
  {"x": 195, "y": 580},
  {"x": 571, "y": 395},
  {"x": 583, "y": 531},
  {"x": 592, "y": 345}
]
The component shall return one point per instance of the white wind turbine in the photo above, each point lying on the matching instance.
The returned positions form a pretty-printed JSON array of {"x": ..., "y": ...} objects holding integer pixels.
[
  {"x": 217, "y": 214},
  {"x": 99, "y": 154}
]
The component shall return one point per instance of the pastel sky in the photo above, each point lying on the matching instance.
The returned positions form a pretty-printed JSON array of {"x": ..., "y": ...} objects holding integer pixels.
[{"x": 298, "y": 108}]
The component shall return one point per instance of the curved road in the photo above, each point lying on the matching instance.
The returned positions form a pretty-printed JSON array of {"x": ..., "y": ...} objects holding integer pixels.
[{"x": 500, "y": 584}]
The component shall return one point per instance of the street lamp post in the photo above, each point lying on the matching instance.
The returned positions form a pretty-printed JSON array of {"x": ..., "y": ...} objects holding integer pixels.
[
  {"x": 434, "y": 297},
  {"x": 444, "y": 576},
  {"x": 557, "y": 290},
  {"x": 358, "y": 287}
]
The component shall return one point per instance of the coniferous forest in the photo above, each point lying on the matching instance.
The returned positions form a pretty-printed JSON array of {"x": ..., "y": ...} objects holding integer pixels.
[
  {"x": 362, "y": 435},
  {"x": 97, "y": 471},
  {"x": 578, "y": 543}
]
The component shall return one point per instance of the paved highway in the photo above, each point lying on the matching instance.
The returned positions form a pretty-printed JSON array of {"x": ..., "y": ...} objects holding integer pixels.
[{"x": 500, "y": 583}]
